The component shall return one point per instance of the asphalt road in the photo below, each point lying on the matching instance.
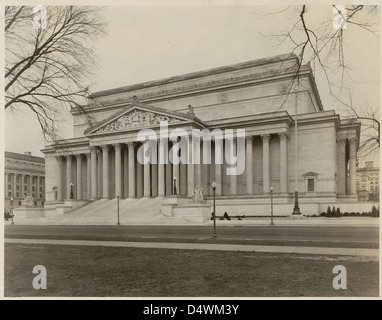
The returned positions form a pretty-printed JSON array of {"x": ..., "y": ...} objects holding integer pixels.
[{"x": 329, "y": 236}]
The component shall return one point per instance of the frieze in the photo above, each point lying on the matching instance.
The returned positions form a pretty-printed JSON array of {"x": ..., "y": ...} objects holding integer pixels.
[
  {"x": 24, "y": 166},
  {"x": 190, "y": 86},
  {"x": 137, "y": 119}
]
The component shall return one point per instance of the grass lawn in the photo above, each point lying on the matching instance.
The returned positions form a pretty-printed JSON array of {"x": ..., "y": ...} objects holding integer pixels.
[{"x": 86, "y": 271}]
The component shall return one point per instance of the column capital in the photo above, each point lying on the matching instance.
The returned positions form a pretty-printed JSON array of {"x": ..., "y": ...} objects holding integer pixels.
[
  {"x": 59, "y": 158},
  {"x": 105, "y": 147},
  {"x": 93, "y": 149},
  {"x": 130, "y": 145},
  {"x": 117, "y": 146},
  {"x": 283, "y": 136},
  {"x": 249, "y": 139},
  {"x": 68, "y": 156},
  {"x": 265, "y": 137},
  {"x": 352, "y": 141},
  {"x": 88, "y": 155},
  {"x": 78, "y": 156}
]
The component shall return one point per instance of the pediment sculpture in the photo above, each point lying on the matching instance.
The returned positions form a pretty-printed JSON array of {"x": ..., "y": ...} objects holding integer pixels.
[{"x": 137, "y": 119}]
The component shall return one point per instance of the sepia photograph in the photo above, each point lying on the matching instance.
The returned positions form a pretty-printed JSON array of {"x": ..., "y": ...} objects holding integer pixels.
[{"x": 164, "y": 150}]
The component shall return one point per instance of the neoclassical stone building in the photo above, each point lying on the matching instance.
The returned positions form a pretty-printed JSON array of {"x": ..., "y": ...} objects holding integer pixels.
[
  {"x": 24, "y": 176},
  {"x": 260, "y": 96}
]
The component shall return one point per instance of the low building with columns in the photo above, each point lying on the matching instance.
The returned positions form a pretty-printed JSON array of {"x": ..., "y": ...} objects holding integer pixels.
[
  {"x": 262, "y": 97},
  {"x": 24, "y": 176}
]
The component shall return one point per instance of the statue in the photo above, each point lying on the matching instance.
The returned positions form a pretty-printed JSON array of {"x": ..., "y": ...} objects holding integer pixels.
[
  {"x": 191, "y": 110},
  {"x": 198, "y": 193},
  {"x": 201, "y": 193},
  {"x": 28, "y": 200}
]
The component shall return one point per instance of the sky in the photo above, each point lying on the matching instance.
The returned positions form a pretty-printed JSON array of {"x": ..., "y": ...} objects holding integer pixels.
[{"x": 150, "y": 42}]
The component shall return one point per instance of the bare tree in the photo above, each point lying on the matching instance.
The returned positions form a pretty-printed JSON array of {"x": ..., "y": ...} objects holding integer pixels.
[
  {"x": 324, "y": 44},
  {"x": 49, "y": 61}
]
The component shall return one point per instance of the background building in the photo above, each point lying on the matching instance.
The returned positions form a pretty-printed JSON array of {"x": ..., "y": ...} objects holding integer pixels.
[
  {"x": 24, "y": 176},
  {"x": 368, "y": 182}
]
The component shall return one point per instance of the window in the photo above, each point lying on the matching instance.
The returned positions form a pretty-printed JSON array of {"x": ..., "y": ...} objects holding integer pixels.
[
  {"x": 18, "y": 194},
  {"x": 40, "y": 195},
  {"x": 310, "y": 181},
  {"x": 310, "y": 184},
  {"x": 33, "y": 195},
  {"x": 25, "y": 179},
  {"x": 18, "y": 178},
  {"x": 9, "y": 178},
  {"x": 17, "y": 187},
  {"x": 25, "y": 188},
  {"x": 9, "y": 194},
  {"x": 40, "y": 188},
  {"x": 35, "y": 203},
  {"x": 19, "y": 203},
  {"x": 33, "y": 188}
]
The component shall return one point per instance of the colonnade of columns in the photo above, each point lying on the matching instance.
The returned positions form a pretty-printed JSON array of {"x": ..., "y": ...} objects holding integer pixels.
[
  {"x": 132, "y": 179},
  {"x": 347, "y": 162},
  {"x": 19, "y": 185}
]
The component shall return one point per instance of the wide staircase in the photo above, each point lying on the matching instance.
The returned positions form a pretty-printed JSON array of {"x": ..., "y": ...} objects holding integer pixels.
[{"x": 131, "y": 211}]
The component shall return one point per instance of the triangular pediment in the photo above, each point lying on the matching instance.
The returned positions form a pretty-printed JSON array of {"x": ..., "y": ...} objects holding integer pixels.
[{"x": 138, "y": 116}]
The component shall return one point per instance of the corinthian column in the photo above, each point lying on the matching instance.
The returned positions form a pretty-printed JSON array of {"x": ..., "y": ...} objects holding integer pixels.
[
  {"x": 118, "y": 170},
  {"x": 341, "y": 166},
  {"x": 352, "y": 166},
  {"x": 93, "y": 158},
  {"x": 283, "y": 162},
  {"x": 88, "y": 175},
  {"x": 266, "y": 172},
  {"x": 218, "y": 165},
  {"x": 105, "y": 171},
  {"x": 130, "y": 146},
  {"x": 234, "y": 176},
  {"x": 175, "y": 172},
  {"x": 161, "y": 173},
  {"x": 79, "y": 176},
  {"x": 68, "y": 175},
  {"x": 249, "y": 164},
  {"x": 190, "y": 170},
  {"x": 59, "y": 179},
  {"x": 146, "y": 173}
]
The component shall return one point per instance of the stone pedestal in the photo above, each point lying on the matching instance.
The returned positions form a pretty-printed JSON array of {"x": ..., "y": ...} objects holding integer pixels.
[{"x": 197, "y": 212}]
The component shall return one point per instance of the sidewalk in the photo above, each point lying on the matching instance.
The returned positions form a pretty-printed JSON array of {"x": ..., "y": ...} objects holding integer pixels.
[
  {"x": 311, "y": 221},
  {"x": 360, "y": 252}
]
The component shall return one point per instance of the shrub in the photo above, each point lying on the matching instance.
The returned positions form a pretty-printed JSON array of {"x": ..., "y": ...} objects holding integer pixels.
[
  {"x": 338, "y": 212},
  {"x": 322, "y": 214},
  {"x": 374, "y": 212}
]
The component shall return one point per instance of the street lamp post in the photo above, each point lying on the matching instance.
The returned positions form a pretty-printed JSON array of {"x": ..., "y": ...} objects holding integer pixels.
[
  {"x": 71, "y": 191},
  {"x": 12, "y": 210},
  {"x": 118, "y": 224},
  {"x": 213, "y": 184},
  {"x": 271, "y": 189},
  {"x": 296, "y": 209},
  {"x": 174, "y": 189}
]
